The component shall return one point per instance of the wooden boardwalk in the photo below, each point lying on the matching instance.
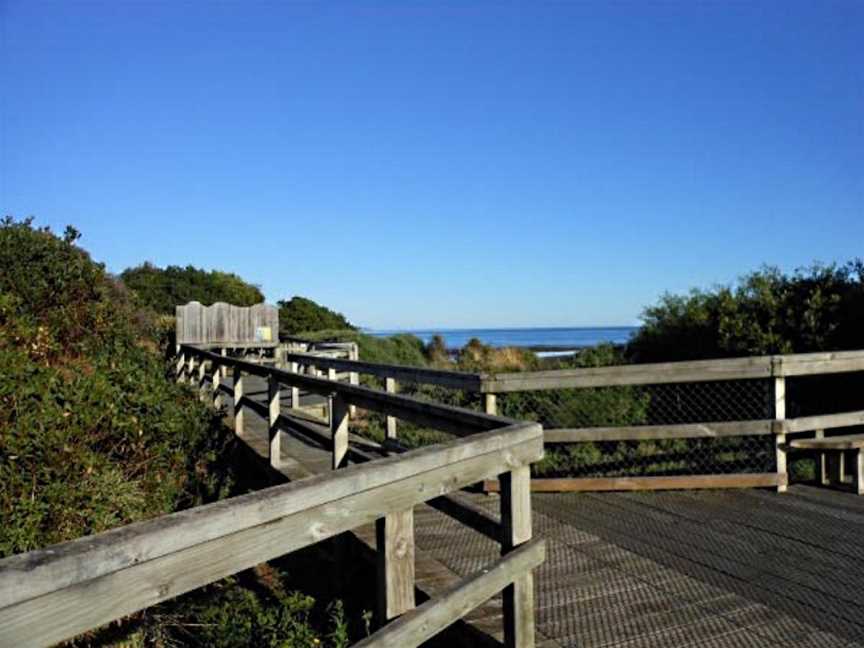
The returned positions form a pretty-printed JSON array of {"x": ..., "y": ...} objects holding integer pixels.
[{"x": 717, "y": 569}]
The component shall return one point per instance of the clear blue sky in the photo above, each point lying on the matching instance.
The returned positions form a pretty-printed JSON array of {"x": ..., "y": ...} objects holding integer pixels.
[{"x": 442, "y": 164}]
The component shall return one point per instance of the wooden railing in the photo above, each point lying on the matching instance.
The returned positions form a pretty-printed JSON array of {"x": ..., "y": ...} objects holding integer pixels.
[
  {"x": 775, "y": 369},
  {"x": 55, "y": 593}
]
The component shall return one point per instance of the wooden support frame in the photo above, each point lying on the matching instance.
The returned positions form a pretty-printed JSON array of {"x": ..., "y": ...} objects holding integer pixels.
[
  {"x": 339, "y": 430},
  {"x": 516, "y": 529},
  {"x": 238, "y": 400},
  {"x": 675, "y": 482},
  {"x": 780, "y": 415},
  {"x": 390, "y": 387},
  {"x": 274, "y": 411},
  {"x": 394, "y": 540}
]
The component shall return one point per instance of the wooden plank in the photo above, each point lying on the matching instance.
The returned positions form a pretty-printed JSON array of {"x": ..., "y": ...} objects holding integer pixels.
[
  {"x": 427, "y": 620},
  {"x": 402, "y": 373},
  {"x": 642, "y": 374},
  {"x": 38, "y": 572},
  {"x": 779, "y": 415},
  {"x": 825, "y": 421},
  {"x": 394, "y": 541},
  {"x": 644, "y": 432},
  {"x": 274, "y": 410},
  {"x": 339, "y": 430},
  {"x": 59, "y": 613},
  {"x": 558, "y": 485},
  {"x": 842, "y": 442},
  {"x": 518, "y": 596},
  {"x": 390, "y": 427},
  {"x": 237, "y": 377}
]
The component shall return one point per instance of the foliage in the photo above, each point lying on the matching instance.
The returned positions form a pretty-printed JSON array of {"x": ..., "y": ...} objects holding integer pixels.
[
  {"x": 93, "y": 435},
  {"x": 301, "y": 315},
  {"x": 820, "y": 308},
  {"x": 402, "y": 349},
  {"x": 164, "y": 288}
]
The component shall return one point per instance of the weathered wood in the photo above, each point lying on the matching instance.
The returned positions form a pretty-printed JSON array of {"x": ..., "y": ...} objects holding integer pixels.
[
  {"x": 779, "y": 415},
  {"x": 490, "y": 404},
  {"x": 226, "y": 323},
  {"x": 394, "y": 536},
  {"x": 339, "y": 430},
  {"x": 218, "y": 398},
  {"x": 237, "y": 378},
  {"x": 580, "y": 484},
  {"x": 641, "y": 374},
  {"x": 825, "y": 421},
  {"x": 841, "y": 442},
  {"x": 181, "y": 367},
  {"x": 390, "y": 422},
  {"x": 274, "y": 410},
  {"x": 402, "y": 373},
  {"x": 645, "y": 432},
  {"x": 124, "y": 570},
  {"x": 427, "y": 620},
  {"x": 518, "y": 596}
]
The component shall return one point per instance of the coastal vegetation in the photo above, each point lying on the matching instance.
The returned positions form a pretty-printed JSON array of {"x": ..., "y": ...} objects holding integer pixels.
[{"x": 94, "y": 435}]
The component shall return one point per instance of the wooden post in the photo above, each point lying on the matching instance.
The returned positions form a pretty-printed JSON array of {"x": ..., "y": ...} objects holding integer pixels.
[
  {"x": 274, "y": 402},
  {"x": 295, "y": 391},
  {"x": 331, "y": 374},
  {"x": 202, "y": 373},
  {"x": 181, "y": 366},
  {"x": 390, "y": 386},
  {"x": 859, "y": 471},
  {"x": 339, "y": 430},
  {"x": 190, "y": 370},
  {"x": 217, "y": 381},
  {"x": 353, "y": 376},
  {"x": 490, "y": 404},
  {"x": 821, "y": 466},
  {"x": 516, "y": 529},
  {"x": 224, "y": 353},
  {"x": 394, "y": 541},
  {"x": 238, "y": 406},
  {"x": 780, "y": 415}
]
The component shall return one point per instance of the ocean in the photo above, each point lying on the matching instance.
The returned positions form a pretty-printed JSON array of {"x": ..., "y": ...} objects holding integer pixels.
[{"x": 538, "y": 339}]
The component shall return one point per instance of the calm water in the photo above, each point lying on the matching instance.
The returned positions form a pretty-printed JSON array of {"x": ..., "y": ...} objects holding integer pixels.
[{"x": 526, "y": 337}]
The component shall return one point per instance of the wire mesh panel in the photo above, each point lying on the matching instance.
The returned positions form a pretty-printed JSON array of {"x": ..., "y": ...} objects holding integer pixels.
[{"x": 666, "y": 404}]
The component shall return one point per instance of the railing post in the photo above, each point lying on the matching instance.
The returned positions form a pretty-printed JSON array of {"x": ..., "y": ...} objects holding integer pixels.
[
  {"x": 238, "y": 405},
  {"x": 202, "y": 373},
  {"x": 224, "y": 353},
  {"x": 390, "y": 386},
  {"x": 353, "y": 376},
  {"x": 181, "y": 366},
  {"x": 516, "y": 529},
  {"x": 295, "y": 391},
  {"x": 274, "y": 402},
  {"x": 339, "y": 430},
  {"x": 217, "y": 381},
  {"x": 490, "y": 404},
  {"x": 780, "y": 415},
  {"x": 394, "y": 542},
  {"x": 190, "y": 370}
]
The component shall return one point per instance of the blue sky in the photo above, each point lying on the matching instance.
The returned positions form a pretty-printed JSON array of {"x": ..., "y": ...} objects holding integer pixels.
[{"x": 442, "y": 164}]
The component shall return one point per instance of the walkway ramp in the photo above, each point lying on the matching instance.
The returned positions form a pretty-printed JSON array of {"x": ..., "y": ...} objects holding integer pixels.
[{"x": 729, "y": 568}]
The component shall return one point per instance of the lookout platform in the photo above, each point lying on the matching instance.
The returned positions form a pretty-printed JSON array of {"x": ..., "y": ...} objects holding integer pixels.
[{"x": 722, "y": 568}]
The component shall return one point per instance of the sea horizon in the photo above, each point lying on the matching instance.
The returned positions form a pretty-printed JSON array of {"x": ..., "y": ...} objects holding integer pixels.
[{"x": 556, "y": 338}]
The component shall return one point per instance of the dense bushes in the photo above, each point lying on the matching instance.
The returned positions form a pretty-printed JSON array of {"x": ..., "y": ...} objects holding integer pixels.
[
  {"x": 302, "y": 315},
  {"x": 813, "y": 309},
  {"x": 93, "y": 435},
  {"x": 163, "y": 289}
]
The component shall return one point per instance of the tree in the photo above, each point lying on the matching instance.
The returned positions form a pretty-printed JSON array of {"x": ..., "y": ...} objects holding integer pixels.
[
  {"x": 302, "y": 315},
  {"x": 163, "y": 289},
  {"x": 820, "y": 308}
]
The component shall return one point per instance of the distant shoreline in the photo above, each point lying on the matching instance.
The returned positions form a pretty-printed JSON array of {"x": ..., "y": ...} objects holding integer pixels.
[{"x": 538, "y": 339}]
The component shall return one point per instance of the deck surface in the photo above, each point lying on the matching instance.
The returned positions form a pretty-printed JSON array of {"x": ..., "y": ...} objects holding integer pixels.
[{"x": 729, "y": 568}]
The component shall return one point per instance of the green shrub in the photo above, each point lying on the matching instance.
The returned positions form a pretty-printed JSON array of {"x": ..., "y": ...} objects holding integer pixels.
[
  {"x": 161, "y": 289},
  {"x": 301, "y": 315}
]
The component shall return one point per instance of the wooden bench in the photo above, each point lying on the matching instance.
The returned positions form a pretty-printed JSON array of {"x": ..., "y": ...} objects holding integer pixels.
[{"x": 831, "y": 452}]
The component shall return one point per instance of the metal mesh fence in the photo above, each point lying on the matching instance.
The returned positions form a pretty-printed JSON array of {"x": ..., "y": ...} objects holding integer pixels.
[{"x": 666, "y": 404}]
